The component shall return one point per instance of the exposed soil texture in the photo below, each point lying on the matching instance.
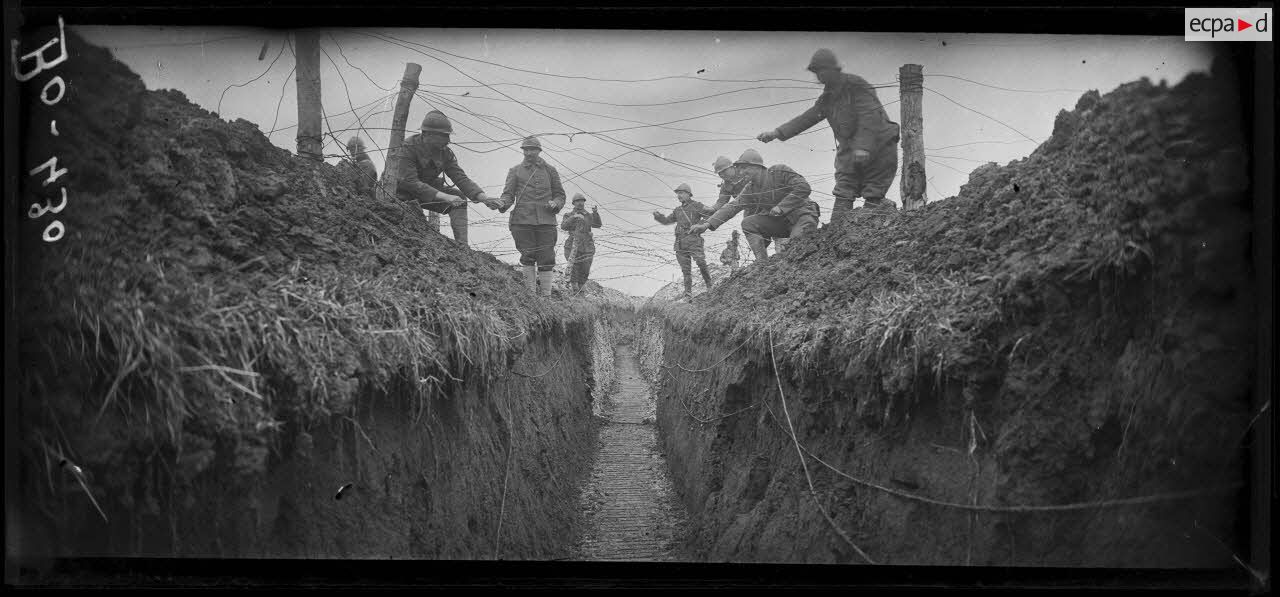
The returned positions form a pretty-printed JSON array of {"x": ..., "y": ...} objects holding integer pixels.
[
  {"x": 227, "y": 335},
  {"x": 1078, "y": 325},
  {"x": 631, "y": 511},
  {"x": 248, "y": 360}
]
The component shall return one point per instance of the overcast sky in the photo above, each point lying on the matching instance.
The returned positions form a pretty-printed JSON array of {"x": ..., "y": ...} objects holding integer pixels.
[{"x": 493, "y": 105}]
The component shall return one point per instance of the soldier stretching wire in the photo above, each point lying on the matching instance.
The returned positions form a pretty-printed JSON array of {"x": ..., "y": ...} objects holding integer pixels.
[{"x": 866, "y": 140}]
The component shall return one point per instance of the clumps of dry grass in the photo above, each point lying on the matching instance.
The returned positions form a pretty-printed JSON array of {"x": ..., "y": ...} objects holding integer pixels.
[{"x": 248, "y": 358}]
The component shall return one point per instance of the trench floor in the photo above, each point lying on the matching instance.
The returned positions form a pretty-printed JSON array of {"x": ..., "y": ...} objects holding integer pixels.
[{"x": 629, "y": 505}]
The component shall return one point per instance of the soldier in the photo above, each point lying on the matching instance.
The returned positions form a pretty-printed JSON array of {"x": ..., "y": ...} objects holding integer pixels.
[
  {"x": 729, "y": 256},
  {"x": 688, "y": 246},
  {"x": 358, "y": 168},
  {"x": 732, "y": 187},
  {"x": 579, "y": 247},
  {"x": 533, "y": 188},
  {"x": 425, "y": 159},
  {"x": 729, "y": 187},
  {"x": 866, "y": 140},
  {"x": 775, "y": 201}
]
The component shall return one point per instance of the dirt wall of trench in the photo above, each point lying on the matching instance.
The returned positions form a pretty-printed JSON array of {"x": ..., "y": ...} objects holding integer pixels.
[
  {"x": 724, "y": 426},
  {"x": 1073, "y": 328},
  {"x": 427, "y": 481}
]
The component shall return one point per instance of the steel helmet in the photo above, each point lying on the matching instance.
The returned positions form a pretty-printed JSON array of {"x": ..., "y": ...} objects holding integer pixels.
[
  {"x": 750, "y": 156},
  {"x": 531, "y": 142},
  {"x": 437, "y": 122},
  {"x": 578, "y": 197},
  {"x": 823, "y": 58},
  {"x": 722, "y": 162},
  {"x": 684, "y": 187},
  {"x": 355, "y": 145}
]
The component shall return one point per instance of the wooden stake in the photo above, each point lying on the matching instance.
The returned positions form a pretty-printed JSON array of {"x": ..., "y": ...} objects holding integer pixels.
[
  {"x": 308, "y": 59},
  {"x": 391, "y": 172},
  {"x": 911, "y": 89}
]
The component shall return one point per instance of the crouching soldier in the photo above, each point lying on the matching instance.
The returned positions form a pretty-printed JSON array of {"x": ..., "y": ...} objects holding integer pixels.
[
  {"x": 358, "y": 168},
  {"x": 425, "y": 159},
  {"x": 775, "y": 201},
  {"x": 689, "y": 246},
  {"x": 580, "y": 246}
]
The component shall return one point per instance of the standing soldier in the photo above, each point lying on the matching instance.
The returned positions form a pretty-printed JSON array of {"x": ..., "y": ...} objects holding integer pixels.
[
  {"x": 776, "y": 202},
  {"x": 358, "y": 168},
  {"x": 729, "y": 256},
  {"x": 866, "y": 140},
  {"x": 688, "y": 246},
  {"x": 579, "y": 247},
  {"x": 534, "y": 195},
  {"x": 425, "y": 160}
]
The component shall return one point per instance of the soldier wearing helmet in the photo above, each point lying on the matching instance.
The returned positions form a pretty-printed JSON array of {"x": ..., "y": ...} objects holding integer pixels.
[
  {"x": 580, "y": 246},
  {"x": 775, "y": 201},
  {"x": 688, "y": 246},
  {"x": 358, "y": 168},
  {"x": 534, "y": 196},
  {"x": 425, "y": 161},
  {"x": 866, "y": 140}
]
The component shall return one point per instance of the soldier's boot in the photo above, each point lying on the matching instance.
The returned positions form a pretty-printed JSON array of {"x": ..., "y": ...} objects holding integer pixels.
[
  {"x": 688, "y": 286},
  {"x": 531, "y": 278},
  {"x": 544, "y": 282},
  {"x": 706, "y": 274},
  {"x": 880, "y": 204},
  {"x": 842, "y": 209},
  {"x": 758, "y": 245},
  {"x": 458, "y": 221}
]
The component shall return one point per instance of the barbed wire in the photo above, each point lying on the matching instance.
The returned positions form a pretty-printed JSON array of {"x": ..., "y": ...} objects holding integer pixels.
[
  {"x": 618, "y": 203},
  {"x": 262, "y": 74},
  {"x": 598, "y": 79}
]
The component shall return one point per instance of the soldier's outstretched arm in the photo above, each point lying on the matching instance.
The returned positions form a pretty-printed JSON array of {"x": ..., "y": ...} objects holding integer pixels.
[
  {"x": 469, "y": 188},
  {"x": 665, "y": 219},
  {"x": 722, "y": 215},
  {"x": 427, "y": 196},
  {"x": 799, "y": 124}
]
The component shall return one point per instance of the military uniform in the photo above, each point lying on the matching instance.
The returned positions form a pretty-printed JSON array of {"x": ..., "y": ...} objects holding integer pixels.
[
  {"x": 361, "y": 173},
  {"x": 777, "y": 186},
  {"x": 580, "y": 246},
  {"x": 529, "y": 188},
  {"x": 422, "y": 172},
  {"x": 688, "y": 246},
  {"x": 858, "y": 121},
  {"x": 729, "y": 256}
]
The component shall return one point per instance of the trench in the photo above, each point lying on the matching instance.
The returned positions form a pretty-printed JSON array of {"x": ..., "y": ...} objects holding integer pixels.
[{"x": 628, "y": 502}]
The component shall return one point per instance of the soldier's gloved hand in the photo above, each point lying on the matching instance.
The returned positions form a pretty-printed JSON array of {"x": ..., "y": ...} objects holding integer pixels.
[
  {"x": 494, "y": 204},
  {"x": 697, "y": 229},
  {"x": 776, "y": 211},
  {"x": 860, "y": 156},
  {"x": 767, "y": 136},
  {"x": 481, "y": 198}
]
